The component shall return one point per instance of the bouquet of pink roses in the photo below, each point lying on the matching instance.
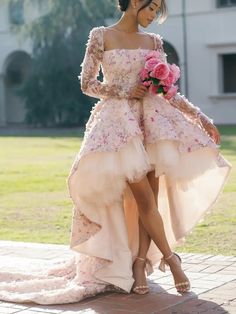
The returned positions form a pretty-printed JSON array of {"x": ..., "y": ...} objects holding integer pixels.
[{"x": 160, "y": 77}]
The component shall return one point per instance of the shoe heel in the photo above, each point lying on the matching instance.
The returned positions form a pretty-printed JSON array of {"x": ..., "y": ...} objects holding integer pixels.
[
  {"x": 162, "y": 265},
  {"x": 178, "y": 257},
  {"x": 164, "y": 262},
  {"x": 179, "y": 286},
  {"x": 149, "y": 269},
  {"x": 148, "y": 265}
]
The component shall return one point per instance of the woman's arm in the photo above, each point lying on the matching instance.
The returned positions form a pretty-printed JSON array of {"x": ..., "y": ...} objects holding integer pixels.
[
  {"x": 90, "y": 85},
  {"x": 179, "y": 101},
  {"x": 186, "y": 107}
]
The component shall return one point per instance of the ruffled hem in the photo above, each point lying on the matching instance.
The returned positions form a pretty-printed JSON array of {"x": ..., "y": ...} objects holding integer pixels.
[
  {"x": 107, "y": 171},
  {"x": 189, "y": 185},
  {"x": 168, "y": 159}
]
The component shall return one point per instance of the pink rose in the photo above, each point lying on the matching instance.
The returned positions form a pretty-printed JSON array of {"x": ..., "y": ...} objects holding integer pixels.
[
  {"x": 171, "y": 92},
  {"x": 150, "y": 64},
  {"x": 176, "y": 71},
  {"x": 170, "y": 80},
  {"x": 153, "y": 54},
  {"x": 147, "y": 83},
  {"x": 144, "y": 74},
  {"x": 160, "y": 71}
]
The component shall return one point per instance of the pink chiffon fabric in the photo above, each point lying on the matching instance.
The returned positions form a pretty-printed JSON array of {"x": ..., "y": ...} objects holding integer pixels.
[{"x": 123, "y": 141}]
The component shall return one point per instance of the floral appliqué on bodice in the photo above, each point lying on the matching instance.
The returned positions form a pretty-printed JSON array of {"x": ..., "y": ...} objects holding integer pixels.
[
  {"x": 120, "y": 68},
  {"x": 116, "y": 118}
]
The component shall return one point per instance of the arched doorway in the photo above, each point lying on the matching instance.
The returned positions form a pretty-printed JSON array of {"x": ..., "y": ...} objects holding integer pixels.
[
  {"x": 16, "y": 70},
  {"x": 172, "y": 57}
]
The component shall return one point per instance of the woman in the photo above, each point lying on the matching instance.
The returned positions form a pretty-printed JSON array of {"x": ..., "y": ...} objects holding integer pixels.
[{"x": 146, "y": 173}]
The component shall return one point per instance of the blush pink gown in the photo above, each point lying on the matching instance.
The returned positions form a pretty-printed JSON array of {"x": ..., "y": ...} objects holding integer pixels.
[{"x": 124, "y": 140}]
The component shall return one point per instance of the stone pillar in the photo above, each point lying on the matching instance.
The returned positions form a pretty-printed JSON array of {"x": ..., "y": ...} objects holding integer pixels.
[{"x": 2, "y": 101}]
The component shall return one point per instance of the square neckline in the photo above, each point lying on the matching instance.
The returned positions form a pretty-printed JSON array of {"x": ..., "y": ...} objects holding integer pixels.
[
  {"x": 130, "y": 49},
  {"x": 127, "y": 49}
]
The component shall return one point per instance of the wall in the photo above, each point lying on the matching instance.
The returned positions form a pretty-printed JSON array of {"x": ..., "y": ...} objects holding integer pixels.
[{"x": 210, "y": 32}]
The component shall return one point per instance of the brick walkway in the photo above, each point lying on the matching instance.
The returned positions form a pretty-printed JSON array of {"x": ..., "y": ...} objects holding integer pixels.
[{"x": 213, "y": 280}]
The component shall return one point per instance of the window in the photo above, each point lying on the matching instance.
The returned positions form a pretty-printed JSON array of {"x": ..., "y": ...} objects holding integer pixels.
[
  {"x": 229, "y": 73},
  {"x": 226, "y": 3},
  {"x": 16, "y": 12}
]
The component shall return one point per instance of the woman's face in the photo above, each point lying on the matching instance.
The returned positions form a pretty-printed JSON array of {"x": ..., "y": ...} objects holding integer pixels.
[{"x": 149, "y": 13}]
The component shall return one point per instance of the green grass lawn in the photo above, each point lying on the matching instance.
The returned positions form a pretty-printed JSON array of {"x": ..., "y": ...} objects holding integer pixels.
[{"x": 35, "y": 205}]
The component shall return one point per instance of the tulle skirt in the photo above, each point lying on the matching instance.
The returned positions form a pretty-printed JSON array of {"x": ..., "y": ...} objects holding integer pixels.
[{"x": 145, "y": 136}]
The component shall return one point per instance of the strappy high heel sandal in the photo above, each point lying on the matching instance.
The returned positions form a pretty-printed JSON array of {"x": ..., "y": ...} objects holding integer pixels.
[
  {"x": 182, "y": 286},
  {"x": 149, "y": 270}
]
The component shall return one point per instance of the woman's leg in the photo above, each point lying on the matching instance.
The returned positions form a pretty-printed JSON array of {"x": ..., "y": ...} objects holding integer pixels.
[
  {"x": 144, "y": 238},
  {"x": 153, "y": 224}
]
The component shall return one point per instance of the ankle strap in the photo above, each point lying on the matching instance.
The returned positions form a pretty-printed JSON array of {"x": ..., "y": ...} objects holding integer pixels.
[
  {"x": 168, "y": 257},
  {"x": 140, "y": 258}
]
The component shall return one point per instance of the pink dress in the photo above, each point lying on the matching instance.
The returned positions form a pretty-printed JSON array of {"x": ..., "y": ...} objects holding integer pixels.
[{"x": 124, "y": 140}]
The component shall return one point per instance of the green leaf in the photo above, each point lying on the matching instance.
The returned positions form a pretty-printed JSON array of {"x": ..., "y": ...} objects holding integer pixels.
[
  {"x": 160, "y": 89},
  {"x": 155, "y": 81}
]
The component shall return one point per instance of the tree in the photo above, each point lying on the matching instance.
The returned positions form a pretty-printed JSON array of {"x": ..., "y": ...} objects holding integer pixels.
[{"x": 52, "y": 93}]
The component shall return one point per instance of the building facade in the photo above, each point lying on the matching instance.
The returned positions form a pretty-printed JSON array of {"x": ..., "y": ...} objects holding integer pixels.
[
  {"x": 15, "y": 56},
  {"x": 199, "y": 35},
  {"x": 202, "y": 35}
]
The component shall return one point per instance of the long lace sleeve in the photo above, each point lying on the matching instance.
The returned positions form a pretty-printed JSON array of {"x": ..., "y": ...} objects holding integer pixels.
[
  {"x": 187, "y": 108},
  {"x": 184, "y": 105},
  {"x": 180, "y": 101},
  {"x": 90, "y": 85}
]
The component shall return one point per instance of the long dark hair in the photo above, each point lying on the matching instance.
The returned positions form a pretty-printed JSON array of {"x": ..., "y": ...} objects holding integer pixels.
[{"x": 162, "y": 14}]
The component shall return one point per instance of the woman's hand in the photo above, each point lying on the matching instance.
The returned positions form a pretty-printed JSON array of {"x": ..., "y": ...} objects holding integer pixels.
[
  {"x": 139, "y": 91},
  {"x": 211, "y": 129}
]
